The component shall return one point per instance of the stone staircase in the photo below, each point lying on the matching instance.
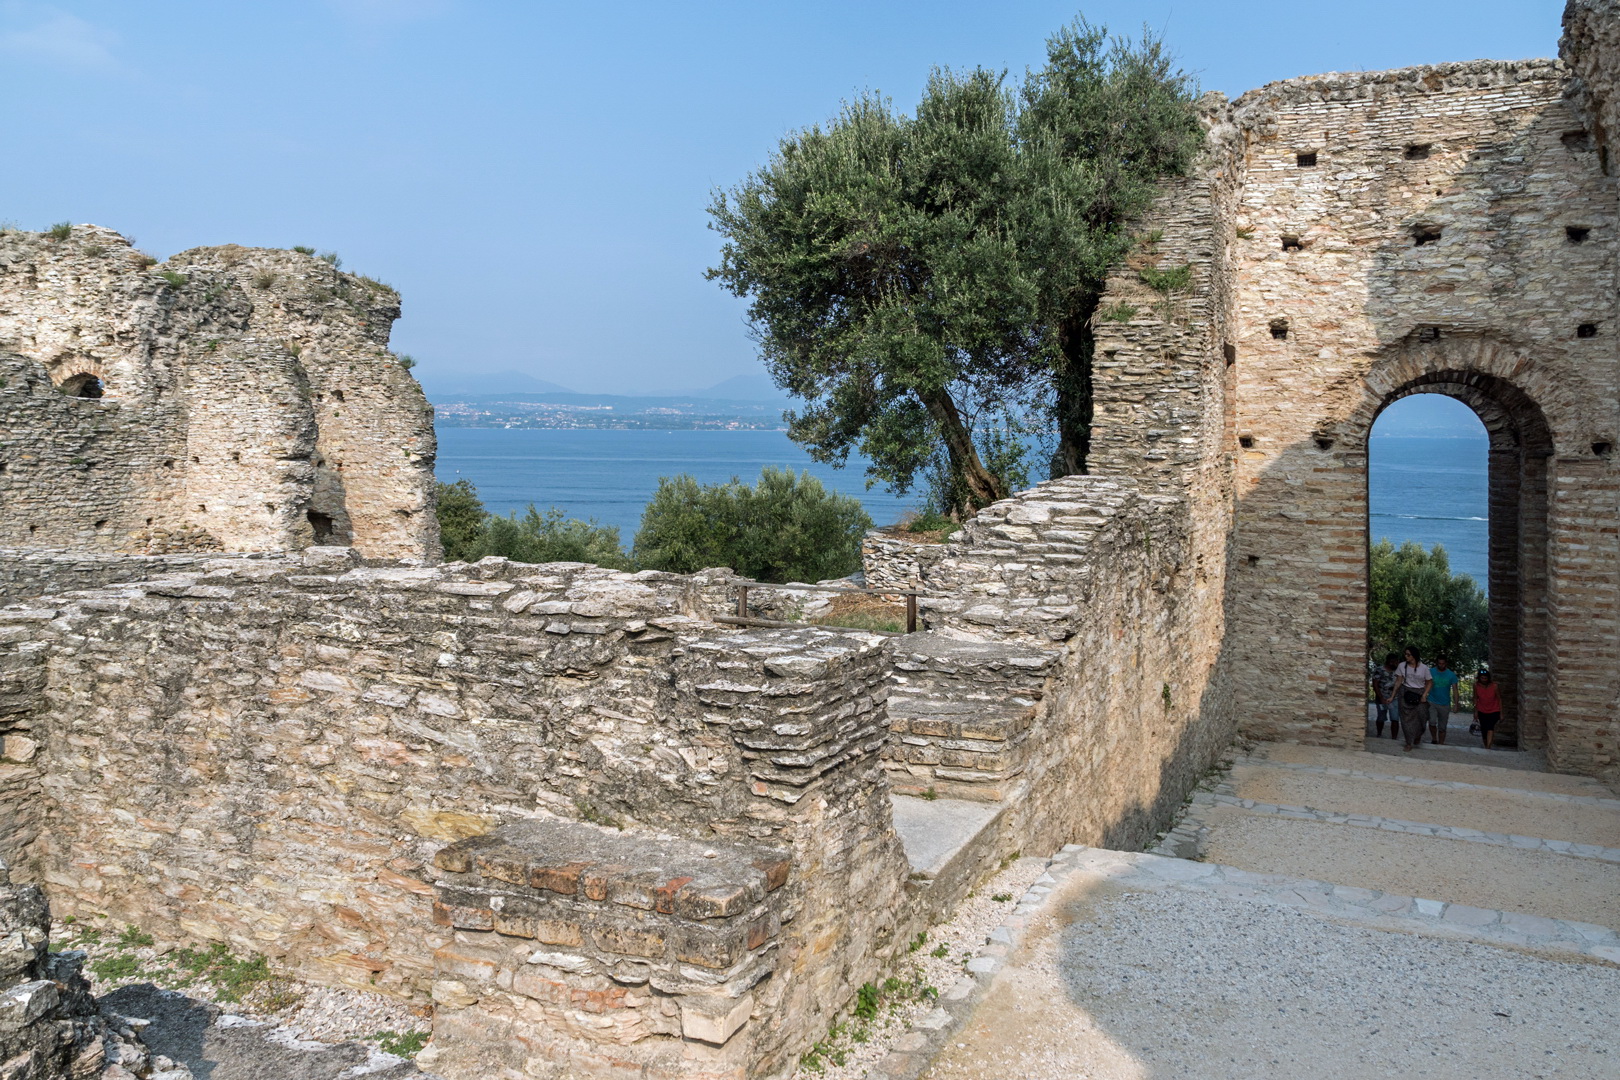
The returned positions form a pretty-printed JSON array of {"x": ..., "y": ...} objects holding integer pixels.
[{"x": 961, "y": 713}]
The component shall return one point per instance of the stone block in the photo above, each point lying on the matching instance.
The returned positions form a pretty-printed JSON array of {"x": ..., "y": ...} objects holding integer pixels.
[{"x": 714, "y": 1020}]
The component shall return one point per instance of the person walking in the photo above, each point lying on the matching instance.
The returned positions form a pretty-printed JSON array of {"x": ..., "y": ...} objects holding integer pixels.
[
  {"x": 1442, "y": 699},
  {"x": 1413, "y": 683},
  {"x": 1487, "y": 707},
  {"x": 1383, "y": 687}
]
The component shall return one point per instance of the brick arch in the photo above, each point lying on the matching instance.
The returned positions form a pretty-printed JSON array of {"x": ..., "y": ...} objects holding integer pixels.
[
  {"x": 1497, "y": 381},
  {"x": 65, "y": 368}
]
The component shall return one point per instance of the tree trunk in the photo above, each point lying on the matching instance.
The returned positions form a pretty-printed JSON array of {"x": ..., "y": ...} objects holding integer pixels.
[
  {"x": 983, "y": 486},
  {"x": 1073, "y": 407}
]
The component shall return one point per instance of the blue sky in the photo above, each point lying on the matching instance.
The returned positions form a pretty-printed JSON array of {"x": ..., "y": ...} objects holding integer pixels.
[{"x": 533, "y": 177}]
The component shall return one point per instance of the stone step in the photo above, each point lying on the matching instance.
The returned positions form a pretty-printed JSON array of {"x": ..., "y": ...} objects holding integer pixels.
[
  {"x": 950, "y": 843},
  {"x": 1498, "y": 769},
  {"x": 1555, "y": 817}
]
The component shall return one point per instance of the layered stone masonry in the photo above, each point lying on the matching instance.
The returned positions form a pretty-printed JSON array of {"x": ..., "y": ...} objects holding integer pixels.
[
  {"x": 269, "y": 752},
  {"x": 962, "y": 713},
  {"x": 248, "y": 402},
  {"x": 1446, "y": 229},
  {"x": 49, "y": 1024},
  {"x": 606, "y": 939},
  {"x": 892, "y": 561}
]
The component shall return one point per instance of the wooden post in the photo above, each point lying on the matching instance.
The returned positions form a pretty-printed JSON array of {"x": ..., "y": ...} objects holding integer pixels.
[
  {"x": 742, "y": 601},
  {"x": 911, "y": 613}
]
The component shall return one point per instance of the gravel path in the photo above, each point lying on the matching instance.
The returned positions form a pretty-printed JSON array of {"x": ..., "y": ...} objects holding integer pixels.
[{"x": 1122, "y": 985}]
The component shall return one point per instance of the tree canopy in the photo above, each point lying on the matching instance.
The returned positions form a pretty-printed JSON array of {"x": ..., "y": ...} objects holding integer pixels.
[
  {"x": 468, "y": 533},
  {"x": 785, "y": 528},
  {"x": 925, "y": 283},
  {"x": 1413, "y": 598}
]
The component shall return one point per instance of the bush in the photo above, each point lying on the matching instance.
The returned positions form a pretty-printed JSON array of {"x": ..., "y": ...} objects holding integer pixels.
[
  {"x": 60, "y": 231},
  {"x": 785, "y": 528},
  {"x": 1413, "y": 598},
  {"x": 461, "y": 520},
  {"x": 468, "y": 533}
]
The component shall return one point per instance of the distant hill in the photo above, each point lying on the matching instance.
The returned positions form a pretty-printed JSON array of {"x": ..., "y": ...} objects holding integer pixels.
[
  {"x": 756, "y": 387},
  {"x": 460, "y": 386}
]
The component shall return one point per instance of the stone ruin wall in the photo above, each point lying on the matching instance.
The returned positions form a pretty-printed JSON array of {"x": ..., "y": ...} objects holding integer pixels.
[
  {"x": 251, "y": 403},
  {"x": 271, "y": 753},
  {"x": 1340, "y": 309},
  {"x": 1116, "y": 578}
]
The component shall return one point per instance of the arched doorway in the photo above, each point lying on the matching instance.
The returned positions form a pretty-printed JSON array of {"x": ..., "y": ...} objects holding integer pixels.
[{"x": 1519, "y": 448}]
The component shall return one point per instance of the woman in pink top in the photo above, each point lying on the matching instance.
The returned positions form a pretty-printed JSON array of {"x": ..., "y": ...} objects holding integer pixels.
[{"x": 1487, "y": 707}]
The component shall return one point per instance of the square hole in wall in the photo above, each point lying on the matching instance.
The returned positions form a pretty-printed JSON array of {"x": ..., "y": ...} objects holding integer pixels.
[
  {"x": 1228, "y": 350},
  {"x": 1418, "y": 151},
  {"x": 1246, "y": 441},
  {"x": 1576, "y": 140},
  {"x": 1254, "y": 560},
  {"x": 1279, "y": 328},
  {"x": 1306, "y": 159},
  {"x": 1577, "y": 234},
  {"x": 1323, "y": 442},
  {"x": 1292, "y": 243},
  {"x": 1425, "y": 234},
  {"x": 1427, "y": 333},
  {"x": 1586, "y": 329},
  {"x": 1602, "y": 449}
]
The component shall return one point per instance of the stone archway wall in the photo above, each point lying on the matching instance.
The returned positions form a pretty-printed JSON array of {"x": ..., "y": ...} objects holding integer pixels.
[
  {"x": 1340, "y": 311},
  {"x": 1520, "y": 445}
]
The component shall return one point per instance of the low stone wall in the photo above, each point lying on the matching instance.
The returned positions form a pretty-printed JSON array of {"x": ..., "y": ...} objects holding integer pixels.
[
  {"x": 585, "y": 940},
  {"x": 890, "y": 561},
  {"x": 25, "y": 574},
  {"x": 1096, "y": 575},
  {"x": 961, "y": 713},
  {"x": 271, "y": 752}
]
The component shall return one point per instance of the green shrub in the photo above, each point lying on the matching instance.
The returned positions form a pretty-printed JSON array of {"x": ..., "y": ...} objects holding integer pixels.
[
  {"x": 61, "y": 230},
  {"x": 1167, "y": 281},
  {"x": 468, "y": 533},
  {"x": 461, "y": 520},
  {"x": 406, "y": 361},
  {"x": 784, "y": 528},
  {"x": 302, "y": 250},
  {"x": 174, "y": 278},
  {"x": 331, "y": 258}
]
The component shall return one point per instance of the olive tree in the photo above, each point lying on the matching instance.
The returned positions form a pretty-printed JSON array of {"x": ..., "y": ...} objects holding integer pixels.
[{"x": 922, "y": 281}]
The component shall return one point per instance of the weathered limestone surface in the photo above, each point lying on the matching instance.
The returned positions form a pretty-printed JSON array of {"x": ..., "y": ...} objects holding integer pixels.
[
  {"x": 49, "y": 1025},
  {"x": 961, "y": 713},
  {"x": 271, "y": 752},
  {"x": 249, "y": 403},
  {"x": 889, "y": 561}
]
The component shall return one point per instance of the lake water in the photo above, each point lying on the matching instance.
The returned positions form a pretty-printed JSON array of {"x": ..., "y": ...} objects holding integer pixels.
[
  {"x": 610, "y": 475},
  {"x": 1431, "y": 490}
]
